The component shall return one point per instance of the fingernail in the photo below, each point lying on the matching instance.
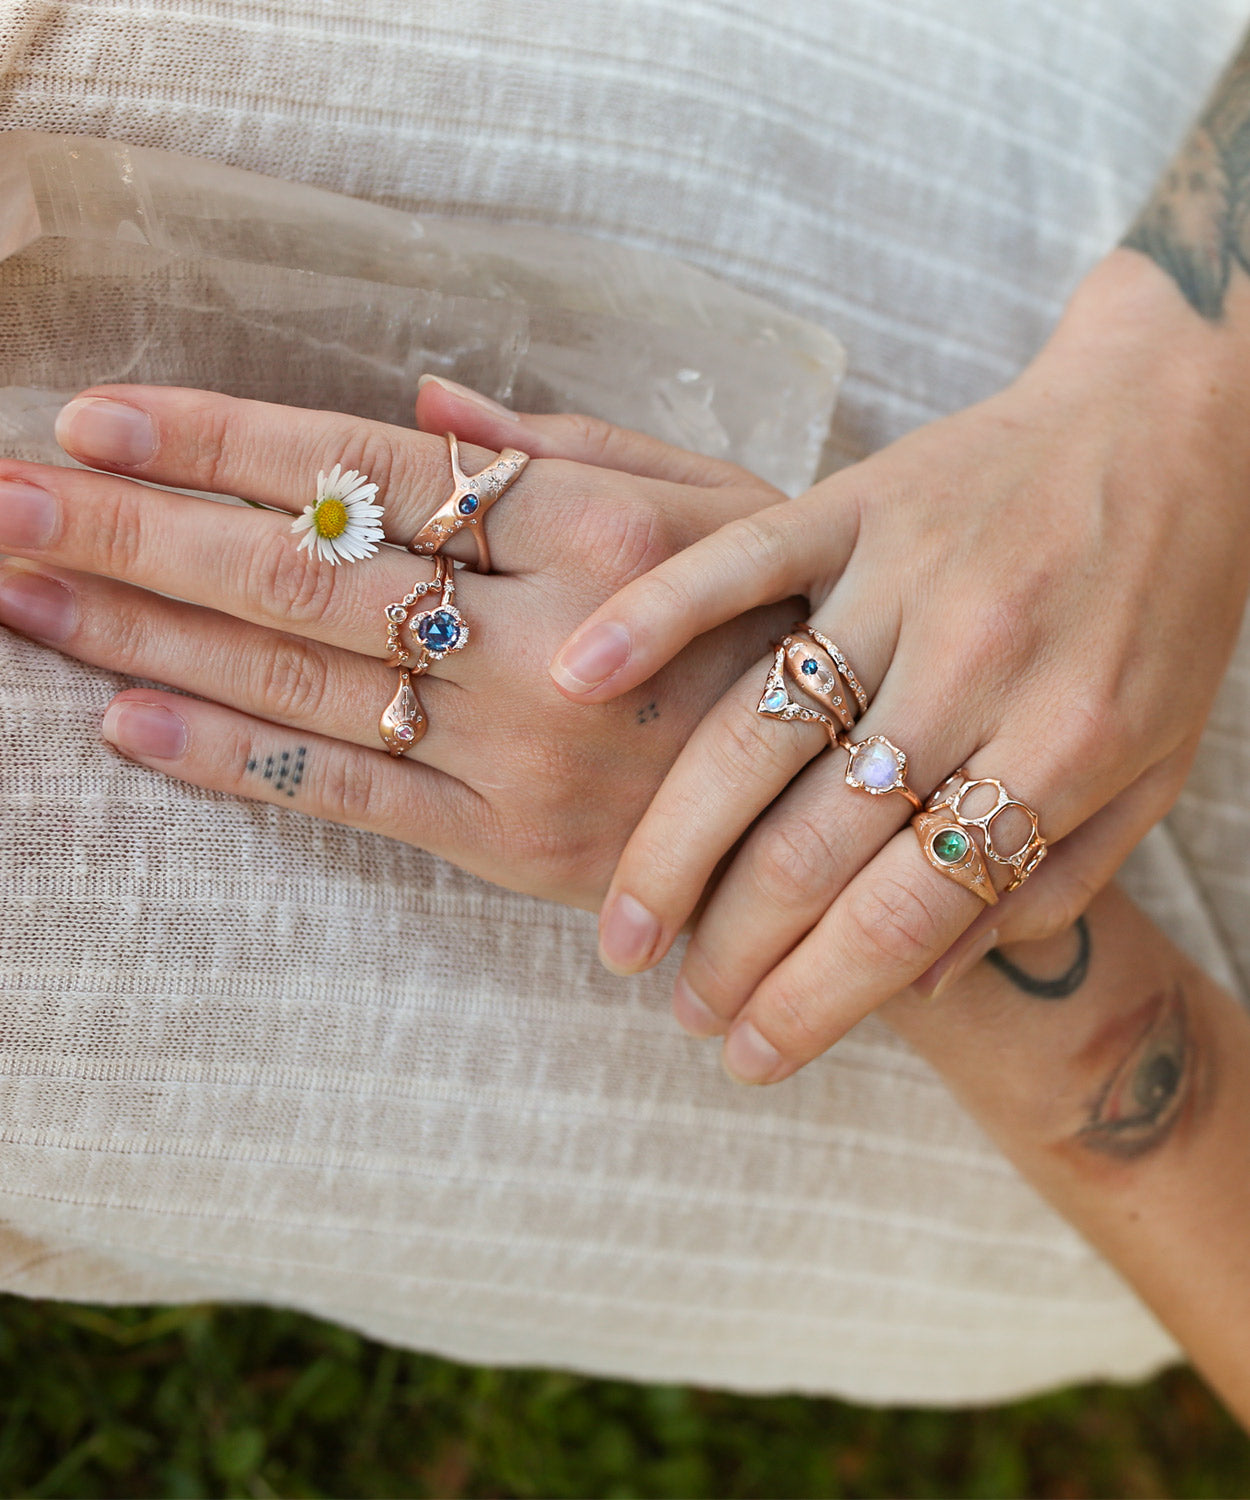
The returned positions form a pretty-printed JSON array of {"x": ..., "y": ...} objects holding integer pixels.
[
  {"x": 145, "y": 729},
  {"x": 692, "y": 1014},
  {"x": 627, "y": 935},
  {"x": 475, "y": 398},
  {"x": 37, "y": 606},
  {"x": 106, "y": 432},
  {"x": 27, "y": 516},
  {"x": 747, "y": 1057},
  {"x": 961, "y": 960},
  {"x": 590, "y": 659}
]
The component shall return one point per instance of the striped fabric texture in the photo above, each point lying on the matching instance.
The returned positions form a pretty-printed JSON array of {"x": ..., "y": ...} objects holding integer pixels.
[{"x": 219, "y": 1077}]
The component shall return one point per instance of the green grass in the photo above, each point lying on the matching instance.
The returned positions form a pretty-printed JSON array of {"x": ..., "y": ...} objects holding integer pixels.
[{"x": 245, "y": 1401}]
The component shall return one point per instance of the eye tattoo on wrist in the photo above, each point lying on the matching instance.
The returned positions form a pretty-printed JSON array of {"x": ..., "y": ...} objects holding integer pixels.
[
  {"x": 1143, "y": 1099},
  {"x": 283, "y": 771},
  {"x": 1061, "y": 985}
]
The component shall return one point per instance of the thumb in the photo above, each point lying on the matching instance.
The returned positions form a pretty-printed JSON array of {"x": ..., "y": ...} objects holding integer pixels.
[{"x": 444, "y": 406}]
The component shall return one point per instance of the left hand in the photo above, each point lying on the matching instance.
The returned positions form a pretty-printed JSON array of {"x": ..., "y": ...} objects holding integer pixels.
[{"x": 1045, "y": 588}]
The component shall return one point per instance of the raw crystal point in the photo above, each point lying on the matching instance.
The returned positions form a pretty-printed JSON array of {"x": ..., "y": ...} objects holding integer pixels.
[{"x": 121, "y": 263}]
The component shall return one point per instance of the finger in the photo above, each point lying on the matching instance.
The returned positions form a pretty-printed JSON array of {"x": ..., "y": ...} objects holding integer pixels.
[
  {"x": 892, "y": 920},
  {"x": 759, "y": 559},
  {"x": 300, "y": 684},
  {"x": 199, "y": 440},
  {"x": 445, "y": 406},
  {"x": 243, "y": 562},
  {"x": 224, "y": 751},
  {"x": 734, "y": 766}
]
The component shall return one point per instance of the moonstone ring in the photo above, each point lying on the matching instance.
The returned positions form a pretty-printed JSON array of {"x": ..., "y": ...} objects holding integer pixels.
[
  {"x": 471, "y": 497},
  {"x": 877, "y": 766}
]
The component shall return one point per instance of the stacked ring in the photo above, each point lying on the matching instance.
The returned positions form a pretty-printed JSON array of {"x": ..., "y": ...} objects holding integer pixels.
[
  {"x": 1021, "y": 861},
  {"x": 471, "y": 497},
  {"x": 815, "y": 665},
  {"x": 952, "y": 852},
  {"x": 433, "y": 632}
]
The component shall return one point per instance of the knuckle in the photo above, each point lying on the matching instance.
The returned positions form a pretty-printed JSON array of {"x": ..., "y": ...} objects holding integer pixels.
[
  {"x": 294, "y": 686},
  {"x": 759, "y": 541},
  {"x": 742, "y": 742},
  {"x": 590, "y": 438},
  {"x": 794, "y": 861},
  {"x": 349, "y": 789},
  {"x": 1003, "y": 635},
  {"x": 210, "y": 446},
  {"x": 623, "y": 540},
  {"x": 117, "y": 538},
  {"x": 890, "y": 926},
  {"x": 287, "y": 585}
]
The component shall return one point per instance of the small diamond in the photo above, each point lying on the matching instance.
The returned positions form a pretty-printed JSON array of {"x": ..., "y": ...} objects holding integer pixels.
[
  {"x": 396, "y": 612},
  {"x": 775, "y": 700},
  {"x": 950, "y": 846},
  {"x": 468, "y": 504}
]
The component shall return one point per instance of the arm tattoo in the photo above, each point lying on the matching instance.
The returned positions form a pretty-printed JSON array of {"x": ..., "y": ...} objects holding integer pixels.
[
  {"x": 1059, "y": 987},
  {"x": 1196, "y": 225},
  {"x": 283, "y": 771},
  {"x": 1143, "y": 1099}
]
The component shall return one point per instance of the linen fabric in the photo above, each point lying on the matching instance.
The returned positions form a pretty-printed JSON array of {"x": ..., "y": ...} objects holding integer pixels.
[{"x": 250, "y": 1056}]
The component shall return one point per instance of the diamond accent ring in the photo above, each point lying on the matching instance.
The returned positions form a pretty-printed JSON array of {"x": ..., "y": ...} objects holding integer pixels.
[{"x": 471, "y": 497}]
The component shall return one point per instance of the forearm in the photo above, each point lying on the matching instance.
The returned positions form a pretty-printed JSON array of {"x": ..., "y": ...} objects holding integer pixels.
[{"x": 1120, "y": 1087}]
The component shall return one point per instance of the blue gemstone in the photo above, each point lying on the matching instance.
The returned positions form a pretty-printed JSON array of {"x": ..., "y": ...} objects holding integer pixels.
[
  {"x": 810, "y": 666},
  {"x": 438, "y": 632},
  {"x": 468, "y": 504}
]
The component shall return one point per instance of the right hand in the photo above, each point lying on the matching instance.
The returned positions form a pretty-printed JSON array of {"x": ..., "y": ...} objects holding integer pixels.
[{"x": 284, "y": 656}]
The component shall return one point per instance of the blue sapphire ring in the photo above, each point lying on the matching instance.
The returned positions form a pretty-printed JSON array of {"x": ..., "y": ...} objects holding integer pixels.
[
  {"x": 421, "y": 628},
  {"x": 471, "y": 497}
]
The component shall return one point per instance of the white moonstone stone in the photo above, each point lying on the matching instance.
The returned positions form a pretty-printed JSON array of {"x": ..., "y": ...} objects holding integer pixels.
[
  {"x": 876, "y": 766},
  {"x": 775, "y": 700}
]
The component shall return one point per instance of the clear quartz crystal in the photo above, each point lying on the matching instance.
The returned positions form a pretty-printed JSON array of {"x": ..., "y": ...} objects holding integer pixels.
[{"x": 121, "y": 263}]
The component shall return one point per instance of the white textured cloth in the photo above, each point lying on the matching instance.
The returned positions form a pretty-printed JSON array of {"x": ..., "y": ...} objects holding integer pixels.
[{"x": 218, "y": 1077}]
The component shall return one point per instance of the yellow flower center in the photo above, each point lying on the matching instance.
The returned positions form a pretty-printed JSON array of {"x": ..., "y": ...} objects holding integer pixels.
[{"x": 330, "y": 519}]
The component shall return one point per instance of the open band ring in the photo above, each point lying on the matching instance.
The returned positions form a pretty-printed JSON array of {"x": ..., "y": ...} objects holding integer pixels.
[
  {"x": 433, "y": 631},
  {"x": 471, "y": 497},
  {"x": 1030, "y": 851}
]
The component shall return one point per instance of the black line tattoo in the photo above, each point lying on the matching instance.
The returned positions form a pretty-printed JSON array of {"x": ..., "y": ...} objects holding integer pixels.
[
  {"x": 1058, "y": 988},
  {"x": 284, "y": 771},
  {"x": 1196, "y": 225},
  {"x": 1143, "y": 1098}
]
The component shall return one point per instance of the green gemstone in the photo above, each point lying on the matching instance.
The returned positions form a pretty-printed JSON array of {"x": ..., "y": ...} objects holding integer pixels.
[{"x": 950, "y": 846}]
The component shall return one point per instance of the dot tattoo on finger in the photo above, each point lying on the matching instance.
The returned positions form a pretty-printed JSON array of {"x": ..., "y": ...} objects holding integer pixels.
[{"x": 284, "y": 771}]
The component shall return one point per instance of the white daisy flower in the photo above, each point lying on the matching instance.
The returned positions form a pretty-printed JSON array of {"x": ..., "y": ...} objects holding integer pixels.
[{"x": 342, "y": 524}]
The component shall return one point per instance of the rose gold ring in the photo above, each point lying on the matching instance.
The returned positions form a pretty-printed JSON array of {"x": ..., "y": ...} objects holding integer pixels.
[
  {"x": 877, "y": 766},
  {"x": 818, "y": 668},
  {"x": 433, "y": 631},
  {"x": 953, "y": 852},
  {"x": 1030, "y": 852},
  {"x": 470, "y": 499}
]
